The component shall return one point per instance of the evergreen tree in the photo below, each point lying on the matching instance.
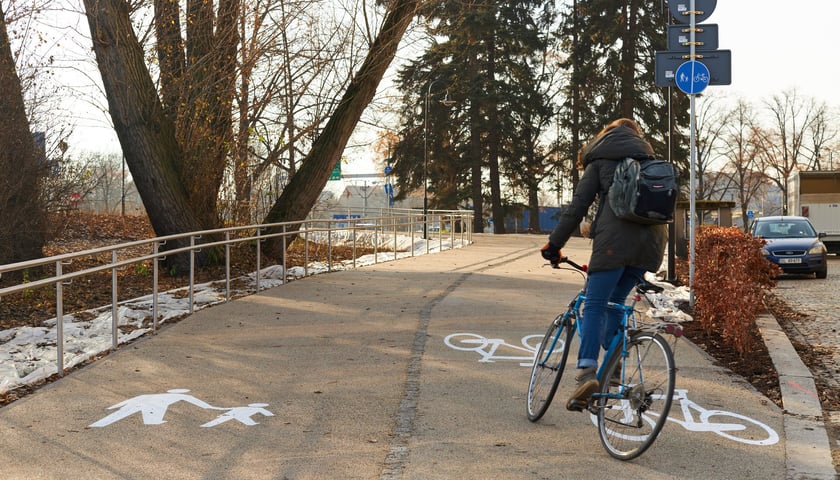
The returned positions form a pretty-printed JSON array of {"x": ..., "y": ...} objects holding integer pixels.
[
  {"x": 611, "y": 62},
  {"x": 479, "y": 56}
]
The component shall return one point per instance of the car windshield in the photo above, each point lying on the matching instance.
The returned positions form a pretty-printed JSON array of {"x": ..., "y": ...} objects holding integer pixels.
[{"x": 785, "y": 229}]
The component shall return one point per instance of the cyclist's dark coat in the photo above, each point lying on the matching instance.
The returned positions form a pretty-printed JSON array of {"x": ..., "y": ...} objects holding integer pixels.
[{"x": 617, "y": 243}]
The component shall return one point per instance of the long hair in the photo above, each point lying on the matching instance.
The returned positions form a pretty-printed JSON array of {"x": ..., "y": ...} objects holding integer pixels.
[{"x": 621, "y": 122}]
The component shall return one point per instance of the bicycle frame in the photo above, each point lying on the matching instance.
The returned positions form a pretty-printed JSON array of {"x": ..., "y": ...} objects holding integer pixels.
[
  {"x": 573, "y": 315},
  {"x": 628, "y": 320},
  {"x": 619, "y": 341},
  {"x": 624, "y": 393}
]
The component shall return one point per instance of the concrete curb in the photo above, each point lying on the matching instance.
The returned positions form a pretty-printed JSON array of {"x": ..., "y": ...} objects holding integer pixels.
[{"x": 807, "y": 448}]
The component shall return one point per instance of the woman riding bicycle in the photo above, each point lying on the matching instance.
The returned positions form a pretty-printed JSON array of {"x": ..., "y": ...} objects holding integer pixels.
[{"x": 622, "y": 251}]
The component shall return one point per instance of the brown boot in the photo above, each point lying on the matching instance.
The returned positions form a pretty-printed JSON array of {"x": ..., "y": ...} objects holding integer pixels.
[{"x": 587, "y": 384}]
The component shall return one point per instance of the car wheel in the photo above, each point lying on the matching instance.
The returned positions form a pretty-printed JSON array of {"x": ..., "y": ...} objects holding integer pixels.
[{"x": 822, "y": 273}]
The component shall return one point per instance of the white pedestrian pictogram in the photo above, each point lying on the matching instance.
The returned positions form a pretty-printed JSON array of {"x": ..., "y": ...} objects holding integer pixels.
[
  {"x": 152, "y": 408},
  {"x": 241, "y": 414}
]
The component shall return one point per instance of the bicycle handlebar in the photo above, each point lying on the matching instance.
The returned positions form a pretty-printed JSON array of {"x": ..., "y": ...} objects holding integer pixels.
[{"x": 582, "y": 268}]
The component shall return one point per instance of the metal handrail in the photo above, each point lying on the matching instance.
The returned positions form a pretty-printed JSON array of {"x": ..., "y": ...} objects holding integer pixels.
[{"x": 389, "y": 221}]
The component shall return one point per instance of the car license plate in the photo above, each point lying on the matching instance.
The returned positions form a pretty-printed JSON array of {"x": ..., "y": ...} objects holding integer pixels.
[{"x": 790, "y": 260}]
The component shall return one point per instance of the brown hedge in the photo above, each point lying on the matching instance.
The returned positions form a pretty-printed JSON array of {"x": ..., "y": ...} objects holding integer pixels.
[{"x": 730, "y": 281}]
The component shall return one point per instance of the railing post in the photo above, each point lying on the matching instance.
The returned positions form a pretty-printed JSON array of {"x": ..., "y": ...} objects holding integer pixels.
[
  {"x": 375, "y": 240},
  {"x": 192, "y": 271},
  {"x": 306, "y": 252},
  {"x": 227, "y": 266},
  {"x": 283, "y": 230},
  {"x": 115, "y": 314},
  {"x": 259, "y": 255},
  {"x": 451, "y": 231},
  {"x": 355, "y": 234},
  {"x": 440, "y": 232},
  {"x": 155, "y": 261},
  {"x": 59, "y": 320},
  {"x": 329, "y": 246}
]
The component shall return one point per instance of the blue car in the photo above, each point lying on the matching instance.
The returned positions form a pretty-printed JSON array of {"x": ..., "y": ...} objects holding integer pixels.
[{"x": 792, "y": 244}]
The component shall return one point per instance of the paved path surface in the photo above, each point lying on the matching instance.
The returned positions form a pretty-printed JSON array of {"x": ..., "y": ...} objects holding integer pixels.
[{"x": 347, "y": 375}]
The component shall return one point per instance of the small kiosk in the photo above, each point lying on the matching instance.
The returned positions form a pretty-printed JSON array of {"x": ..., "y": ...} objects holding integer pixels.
[{"x": 709, "y": 212}]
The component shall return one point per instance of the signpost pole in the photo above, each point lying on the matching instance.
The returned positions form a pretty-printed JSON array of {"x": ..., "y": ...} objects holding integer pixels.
[{"x": 692, "y": 163}]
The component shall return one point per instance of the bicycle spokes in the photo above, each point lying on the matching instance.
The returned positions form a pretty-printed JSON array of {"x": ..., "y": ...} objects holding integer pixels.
[{"x": 631, "y": 414}]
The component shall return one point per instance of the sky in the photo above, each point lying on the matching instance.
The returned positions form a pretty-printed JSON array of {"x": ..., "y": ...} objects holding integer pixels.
[{"x": 776, "y": 46}]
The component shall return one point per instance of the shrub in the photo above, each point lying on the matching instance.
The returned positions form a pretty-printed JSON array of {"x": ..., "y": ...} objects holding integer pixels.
[{"x": 731, "y": 278}]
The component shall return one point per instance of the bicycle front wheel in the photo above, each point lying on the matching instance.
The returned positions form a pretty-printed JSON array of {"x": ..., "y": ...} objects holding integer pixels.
[
  {"x": 549, "y": 363},
  {"x": 639, "y": 384}
]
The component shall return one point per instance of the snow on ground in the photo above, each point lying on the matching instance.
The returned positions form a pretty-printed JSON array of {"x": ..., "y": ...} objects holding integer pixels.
[{"x": 28, "y": 354}]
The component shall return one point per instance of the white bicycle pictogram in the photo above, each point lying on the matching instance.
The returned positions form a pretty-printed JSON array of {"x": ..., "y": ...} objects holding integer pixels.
[
  {"x": 755, "y": 432},
  {"x": 695, "y": 418},
  {"x": 487, "y": 347}
]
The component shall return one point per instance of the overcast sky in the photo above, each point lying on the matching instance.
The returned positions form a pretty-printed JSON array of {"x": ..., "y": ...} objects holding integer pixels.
[
  {"x": 779, "y": 44},
  {"x": 776, "y": 45}
]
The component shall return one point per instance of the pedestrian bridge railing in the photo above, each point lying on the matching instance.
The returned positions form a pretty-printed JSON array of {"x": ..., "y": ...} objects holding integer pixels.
[{"x": 390, "y": 235}]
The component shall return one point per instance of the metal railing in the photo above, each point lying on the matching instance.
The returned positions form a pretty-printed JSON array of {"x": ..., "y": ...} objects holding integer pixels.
[{"x": 389, "y": 231}]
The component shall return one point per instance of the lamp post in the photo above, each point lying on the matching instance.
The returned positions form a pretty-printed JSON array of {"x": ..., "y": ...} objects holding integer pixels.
[{"x": 448, "y": 103}]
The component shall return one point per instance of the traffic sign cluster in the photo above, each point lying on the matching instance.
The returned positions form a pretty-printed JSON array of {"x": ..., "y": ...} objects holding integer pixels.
[{"x": 693, "y": 60}]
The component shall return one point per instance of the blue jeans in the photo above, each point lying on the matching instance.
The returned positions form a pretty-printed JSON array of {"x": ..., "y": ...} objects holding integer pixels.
[{"x": 600, "y": 323}]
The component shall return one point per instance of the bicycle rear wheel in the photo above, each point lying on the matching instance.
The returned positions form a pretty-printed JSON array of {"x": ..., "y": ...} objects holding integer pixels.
[
  {"x": 549, "y": 363},
  {"x": 642, "y": 383}
]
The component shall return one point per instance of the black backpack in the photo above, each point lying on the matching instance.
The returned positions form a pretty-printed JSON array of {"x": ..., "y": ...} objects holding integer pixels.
[{"x": 644, "y": 191}]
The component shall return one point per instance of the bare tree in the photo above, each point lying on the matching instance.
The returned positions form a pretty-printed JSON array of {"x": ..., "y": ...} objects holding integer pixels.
[
  {"x": 822, "y": 131},
  {"x": 784, "y": 144},
  {"x": 21, "y": 212},
  {"x": 145, "y": 128},
  {"x": 304, "y": 188},
  {"x": 712, "y": 119},
  {"x": 741, "y": 151},
  {"x": 287, "y": 85}
]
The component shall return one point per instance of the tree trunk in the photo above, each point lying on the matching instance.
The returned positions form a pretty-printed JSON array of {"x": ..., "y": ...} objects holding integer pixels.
[
  {"x": 303, "y": 190},
  {"x": 146, "y": 134},
  {"x": 493, "y": 138},
  {"x": 534, "y": 209},
  {"x": 21, "y": 214},
  {"x": 204, "y": 124},
  {"x": 476, "y": 155},
  {"x": 170, "y": 52}
]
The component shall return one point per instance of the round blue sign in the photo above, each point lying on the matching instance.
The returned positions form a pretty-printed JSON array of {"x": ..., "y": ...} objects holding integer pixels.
[
  {"x": 692, "y": 77},
  {"x": 388, "y": 170}
]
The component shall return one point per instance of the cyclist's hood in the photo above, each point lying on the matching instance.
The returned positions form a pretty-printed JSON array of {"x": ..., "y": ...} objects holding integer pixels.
[{"x": 616, "y": 144}]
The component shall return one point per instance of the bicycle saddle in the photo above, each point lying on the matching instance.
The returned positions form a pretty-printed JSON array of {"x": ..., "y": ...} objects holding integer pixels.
[{"x": 646, "y": 287}]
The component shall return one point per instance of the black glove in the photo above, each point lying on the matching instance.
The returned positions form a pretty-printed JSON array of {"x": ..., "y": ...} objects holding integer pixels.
[{"x": 551, "y": 253}]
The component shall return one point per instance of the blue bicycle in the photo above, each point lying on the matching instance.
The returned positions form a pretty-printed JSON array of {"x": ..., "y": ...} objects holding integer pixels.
[{"x": 636, "y": 377}]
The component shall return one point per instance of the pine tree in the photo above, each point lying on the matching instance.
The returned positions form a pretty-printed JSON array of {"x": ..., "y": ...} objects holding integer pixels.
[
  {"x": 611, "y": 62},
  {"x": 483, "y": 62}
]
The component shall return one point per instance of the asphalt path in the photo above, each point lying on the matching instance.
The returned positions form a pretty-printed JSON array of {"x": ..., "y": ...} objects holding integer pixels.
[{"x": 349, "y": 375}]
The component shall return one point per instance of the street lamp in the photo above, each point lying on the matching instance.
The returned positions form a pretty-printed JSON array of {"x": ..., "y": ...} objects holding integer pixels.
[{"x": 447, "y": 103}]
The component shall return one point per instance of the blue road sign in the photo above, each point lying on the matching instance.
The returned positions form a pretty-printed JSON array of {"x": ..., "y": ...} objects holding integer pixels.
[
  {"x": 692, "y": 77},
  {"x": 388, "y": 170},
  {"x": 719, "y": 63}
]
